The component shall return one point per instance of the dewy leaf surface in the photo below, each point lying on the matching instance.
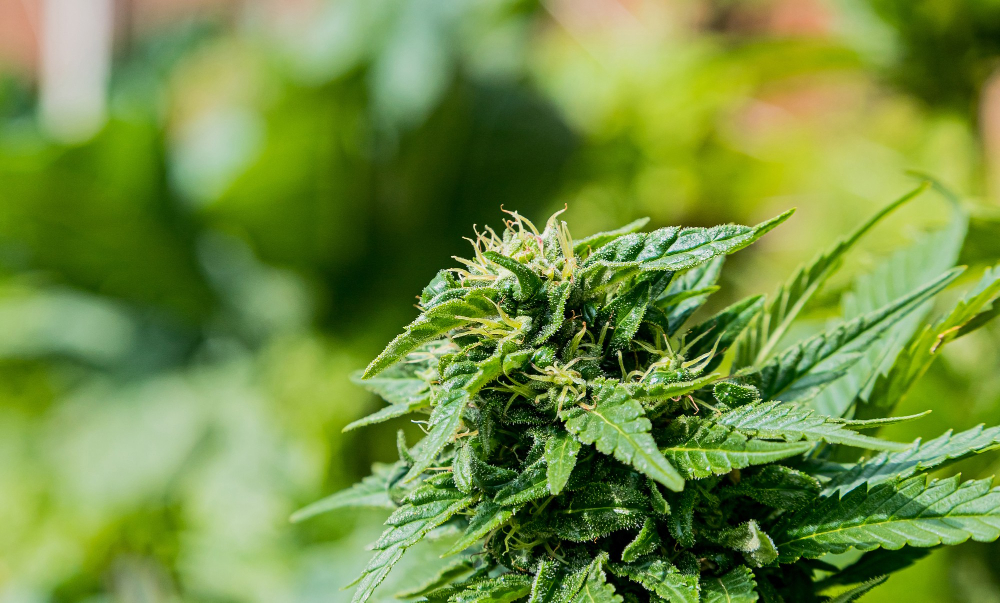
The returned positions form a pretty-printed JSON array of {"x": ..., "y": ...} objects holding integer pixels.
[
  {"x": 561, "y": 451},
  {"x": 617, "y": 425}
]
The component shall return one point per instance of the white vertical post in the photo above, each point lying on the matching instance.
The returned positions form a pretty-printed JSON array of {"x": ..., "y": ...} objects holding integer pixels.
[{"x": 75, "y": 66}]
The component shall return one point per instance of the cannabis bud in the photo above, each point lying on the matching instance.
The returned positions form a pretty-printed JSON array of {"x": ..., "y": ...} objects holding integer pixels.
[{"x": 592, "y": 445}]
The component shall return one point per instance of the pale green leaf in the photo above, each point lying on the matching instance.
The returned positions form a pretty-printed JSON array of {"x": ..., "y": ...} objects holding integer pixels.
[
  {"x": 560, "y": 458},
  {"x": 658, "y": 576},
  {"x": 737, "y": 586},
  {"x": 717, "y": 450},
  {"x": 370, "y": 492}
]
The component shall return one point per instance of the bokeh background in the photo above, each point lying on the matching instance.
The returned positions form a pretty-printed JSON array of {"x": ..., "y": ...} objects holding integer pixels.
[{"x": 212, "y": 212}]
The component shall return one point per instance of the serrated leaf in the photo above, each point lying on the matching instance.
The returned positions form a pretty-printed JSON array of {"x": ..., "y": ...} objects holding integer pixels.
[
  {"x": 629, "y": 309},
  {"x": 596, "y": 588},
  {"x": 560, "y": 459},
  {"x": 681, "y": 521},
  {"x": 660, "y": 577},
  {"x": 645, "y": 542},
  {"x": 698, "y": 278},
  {"x": 449, "y": 574},
  {"x": 721, "y": 330},
  {"x": 402, "y": 389},
  {"x": 767, "y": 330},
  {"x": 502, "y": 589},
  {"x": 777, "y": 420},
  {"x": 855, "y": 593},
  {"x": 444, "y": 420},
  {"x": 617, "y": 425},
  {"x": 488, "y": 517},
  {"x": 945, "y": 449},
  {"x": 901, "y": 273},
  {"x": 880, "y": 562},
  {"x": 428, "y": 506},
  {"x": 662, "y": 387},
  {"x": 920, "y": 352},
  {"x": 531, "y": 484},
  {"x": 555, "y": 312},
  {"x": 737, "y": 586},
  {"x": 434, "y": 322},
  {"x": 599, "y": 510},
  {"x": 598, "y": 240},
  {"x": 370, "y": 492},
  {"x": 914, "y": 512},
  {"x": 804, "y": 369},
  {"x": 779, "y": 487},
  {"x": 528, "y": 283},
  {"x": 556, "y": 582},
  {"x": 717, "y": 450},
  {"x": 656, "y": 499}
]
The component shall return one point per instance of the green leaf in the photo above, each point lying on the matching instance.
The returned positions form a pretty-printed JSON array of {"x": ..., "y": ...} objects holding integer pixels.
[
  {"x": 914, "y": 512},
  {"x": 804, "y": 369},
  {"x": 738, "y": 586},
  {"x": 531, "y": 484},
  {"x": 430, "y": 505},
  {"x": 660, "y": 504},
  {"x": 792, "y": 296},
  {"x": 903, "y": 272},
  {"x": 721, "y": 331},
  {"x": 599, "y": 510},
  {"x": 647, "y": 541},
  {"x": 434, "y": 322},
  {"x": 717, "y": 450},
  {"x": 560, "y": 458},
  {"x": 556, "y": 582},
  {"x": 747, "y": 538},
  {"x": 699, "y": 278},
  {"x": 855, "y": 593},
  {"x": 528, "y": 283},
  {"x": 921, "y": 351},
  {"x": 664, "y": 386},
  {"x": 660, "y": 577},
  {"x": 598, "y": 240},
  {"x": 778, "y": 420},
  {"x": 400, "y": 387},
  {"x": 617, "y": 425},
  {"x": 370, "y": 492},
  {"x": 489, "y": 516},
  {"x": 596, "y": 588},
  {"x": 629, "y": 309},
  {"x": 502, "y": 589},
  {"x": 681, "y": 521},
  {"x": 449, "y": 574},
  {"x": 675, "y": 249},
  {"x": 945, "y": 449},
  {"x": 880, "y": 562},
  {"x": 555, "y": 315},
  {"x": 445, "y": 418},
  {"x": 778, "y": 487}
]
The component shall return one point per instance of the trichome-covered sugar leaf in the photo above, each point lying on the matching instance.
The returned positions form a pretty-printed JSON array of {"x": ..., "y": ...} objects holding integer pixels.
[
  {"x": 617, "y": 425},
  {"x": 502, "y": 589},
  {"x": 914, "y": 512},
  {"x": 528, "y": 283},
  {"x": 599, "y": 510},
  {"x": 596, "y": 241},
  {"x": 778, "y": 420},
  {"x": 645, "y": 542},
  {"x": 426, "y": 508},
  {"x": 488, "y": 517},
  {"x": 556, "y": 582},
  {"x": 747, "y": 538},
  {"x": 452, "y": 572},
  {"x": 661, "y": 578},
  {"x": 947, "y": 448},
  {"x": 736, "y": 586},
  {"x": 555, "y": 311},
  {"x": 804, "y": 369},
  {"x": 477, "y": 303},
  {"x": 445, "y": 418},
  {"x": 778, "y": 487},
  {"x": 595, "y": 588},
  {"x": 701, "y": 277},
  {"x": 717, "y": 450},
  {"x": 561, "y": 451},
  {"x": 370, "y": 492}
]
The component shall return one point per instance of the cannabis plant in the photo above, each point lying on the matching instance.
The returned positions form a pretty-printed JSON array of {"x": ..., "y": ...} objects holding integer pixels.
[{"x": 585, "y": 442}]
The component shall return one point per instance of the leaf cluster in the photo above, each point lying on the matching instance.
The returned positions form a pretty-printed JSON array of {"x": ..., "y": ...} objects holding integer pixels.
[{"x": 588, "y": 443}]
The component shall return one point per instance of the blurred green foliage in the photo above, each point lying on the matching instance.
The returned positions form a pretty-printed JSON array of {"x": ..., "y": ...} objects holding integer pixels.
[{"x": 183, "y": 297}]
